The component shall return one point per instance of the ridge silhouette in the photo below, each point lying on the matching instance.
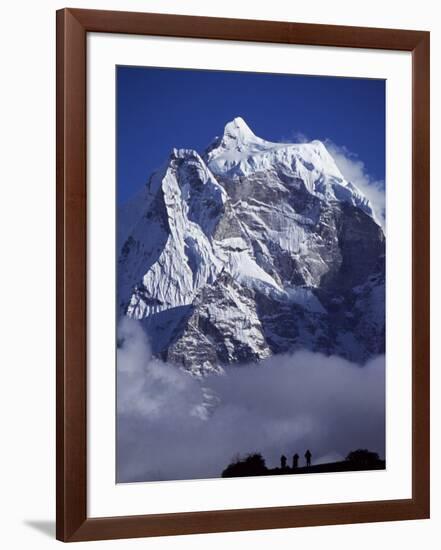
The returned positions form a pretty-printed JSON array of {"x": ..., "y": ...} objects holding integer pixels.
[{"x": 254, "y": 464}]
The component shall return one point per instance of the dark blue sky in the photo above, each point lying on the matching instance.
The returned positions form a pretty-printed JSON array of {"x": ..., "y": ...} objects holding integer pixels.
[{"x": 158, "y": 109}]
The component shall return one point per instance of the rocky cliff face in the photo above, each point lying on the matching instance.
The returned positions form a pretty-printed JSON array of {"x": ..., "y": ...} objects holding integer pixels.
[{"x": 249, "y": 250}]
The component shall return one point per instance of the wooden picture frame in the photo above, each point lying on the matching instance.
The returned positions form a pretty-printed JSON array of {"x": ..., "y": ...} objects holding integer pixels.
[{"x": 73, "y": 524}]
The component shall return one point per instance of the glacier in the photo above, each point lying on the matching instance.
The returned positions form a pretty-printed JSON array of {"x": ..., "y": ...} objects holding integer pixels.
[{"x": 249, "y": 249}]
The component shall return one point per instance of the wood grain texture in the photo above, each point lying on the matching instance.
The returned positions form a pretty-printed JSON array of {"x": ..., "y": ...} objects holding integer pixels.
[
  {"x": 421, "y": 273},
  {"x": 71, "y": 276},
  {"x": 72, "y": 521},
  {"x": 246, "y": 30}
]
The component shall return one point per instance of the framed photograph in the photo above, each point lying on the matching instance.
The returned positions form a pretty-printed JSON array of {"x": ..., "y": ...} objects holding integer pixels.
[{"x": 242, "y": 274}]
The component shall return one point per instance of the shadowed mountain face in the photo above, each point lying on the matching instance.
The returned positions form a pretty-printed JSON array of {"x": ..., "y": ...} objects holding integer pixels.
[{"x": 252, "y": 249}]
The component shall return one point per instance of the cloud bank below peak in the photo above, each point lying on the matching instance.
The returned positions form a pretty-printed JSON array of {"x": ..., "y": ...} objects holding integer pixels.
[{"x": 172, "y": 425}]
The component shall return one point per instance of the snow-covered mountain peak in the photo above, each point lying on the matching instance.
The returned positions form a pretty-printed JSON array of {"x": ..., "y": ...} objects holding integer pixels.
[
  {"x": 250, "y": 250},
  {"x": 192, "y": 172},
  {"x": 237, "y": 139},
  {"x": 239, "y": 154},
  {"x": 183, "y": 153},
  {"x": 237, "y": 130}
]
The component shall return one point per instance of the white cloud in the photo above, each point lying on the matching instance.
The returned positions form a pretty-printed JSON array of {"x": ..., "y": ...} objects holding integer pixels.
[
  {"x": 174, "y": 426},
  {"x": 354, "y": 170},
  {"x": 298, "y": 137}
]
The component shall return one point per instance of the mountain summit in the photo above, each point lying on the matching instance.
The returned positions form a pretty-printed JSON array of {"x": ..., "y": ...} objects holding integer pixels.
[
  {"x": 240, "y": 153},
  {"x": 237, "y": 130},
  {"x": 251, "y": 249}
]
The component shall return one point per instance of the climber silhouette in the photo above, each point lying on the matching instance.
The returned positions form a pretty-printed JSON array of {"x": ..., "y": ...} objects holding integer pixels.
[
  {"x": 308, "y": 456},
  {"x": 295, "y": 461},
  {"x": 283, "y": 462}
]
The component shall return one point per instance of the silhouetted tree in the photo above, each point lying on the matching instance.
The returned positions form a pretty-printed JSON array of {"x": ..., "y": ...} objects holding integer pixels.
[
  {"x": 283, "y": 462},
  {"x": 251, "y": 465},
  {"x": 363, "y": 457}
]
